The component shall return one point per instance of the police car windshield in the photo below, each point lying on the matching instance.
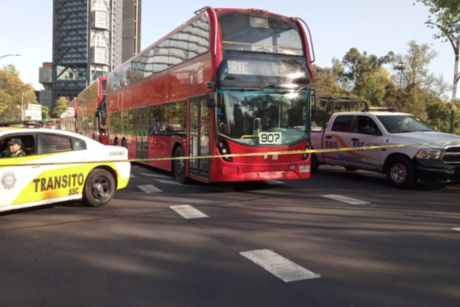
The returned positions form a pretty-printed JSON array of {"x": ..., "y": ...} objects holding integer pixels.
[{"x": 404, "y": 124}]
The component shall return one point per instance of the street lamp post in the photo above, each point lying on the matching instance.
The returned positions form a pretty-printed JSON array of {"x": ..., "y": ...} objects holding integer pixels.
[{"x": 4, "y": 56}]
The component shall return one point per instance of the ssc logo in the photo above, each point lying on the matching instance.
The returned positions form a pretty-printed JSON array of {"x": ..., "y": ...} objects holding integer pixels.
[{"x": 9, "y": 181}]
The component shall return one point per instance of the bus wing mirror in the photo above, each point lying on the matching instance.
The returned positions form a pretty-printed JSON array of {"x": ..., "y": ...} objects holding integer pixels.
[
  {"x": 314, "y": 110},
  {"x": 211, "y": 100}
]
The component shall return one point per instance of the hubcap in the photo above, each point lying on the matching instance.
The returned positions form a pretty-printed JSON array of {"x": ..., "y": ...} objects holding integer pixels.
[
  {"x": 100, "y": 188},
  {"x": 179, "y": 165},
  {"x": 398, "y": 173}
]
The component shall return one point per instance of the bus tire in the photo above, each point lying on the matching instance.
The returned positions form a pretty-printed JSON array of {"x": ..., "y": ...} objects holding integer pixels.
[
  {"x": 179, "y": 166},
  {"x": 99, "y": 188},
  {"x": 124, "y": 144},
  {"x": 115, "y": 143},
  {"x": 401, "y": 172},
  {"x": 314, "y": 164}
]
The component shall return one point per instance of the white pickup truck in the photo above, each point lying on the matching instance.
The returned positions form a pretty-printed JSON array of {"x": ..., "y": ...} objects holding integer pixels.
[{"x": 402, "y": 166}]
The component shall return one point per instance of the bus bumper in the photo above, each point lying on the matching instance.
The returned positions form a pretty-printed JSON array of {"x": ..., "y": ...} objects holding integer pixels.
[{"x": 227, "y": 173}]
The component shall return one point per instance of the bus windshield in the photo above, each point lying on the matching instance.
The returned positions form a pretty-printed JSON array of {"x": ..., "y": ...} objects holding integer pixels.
[
  {"x": 247, "y": 116},
  {"x": 260, "y": 33}
]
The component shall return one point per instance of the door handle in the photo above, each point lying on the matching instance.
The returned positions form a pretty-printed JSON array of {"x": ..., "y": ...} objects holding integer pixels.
[
  {"x": 355, "y": 140},
  {"x": 38, "y": 166},
  {"x": 328, "y": 137}
]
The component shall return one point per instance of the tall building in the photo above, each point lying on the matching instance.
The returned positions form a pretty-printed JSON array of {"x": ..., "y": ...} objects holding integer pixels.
[{"x": 90, "y": 38}]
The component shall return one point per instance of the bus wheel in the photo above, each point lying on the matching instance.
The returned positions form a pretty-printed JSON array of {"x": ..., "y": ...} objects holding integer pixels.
[
  {"x": 124, "y": 144},
  {"x": 179, "y": 166},
  {"x": 115, "y": 143},
  {"x": 314, "y": 164},
  {"x": 99, "y": 188}
]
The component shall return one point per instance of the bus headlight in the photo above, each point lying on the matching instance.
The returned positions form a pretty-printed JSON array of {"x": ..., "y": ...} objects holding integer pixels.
[
  {"x": 429, "y": 154},
  {"x": 224, "y": 149},
  {"x": 305, "y": 155}
]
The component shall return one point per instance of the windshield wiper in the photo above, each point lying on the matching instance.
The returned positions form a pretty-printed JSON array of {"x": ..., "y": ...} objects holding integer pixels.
[
  {"x": 270, "y": 84},
  {"x": 302, "y": 88}
]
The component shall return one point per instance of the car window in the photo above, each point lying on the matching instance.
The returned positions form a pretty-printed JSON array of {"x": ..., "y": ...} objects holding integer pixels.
[
  {"x": 342, "y": 123},
  {"x": 56, "y": 143},
  {"x": 365, "y": 122},
  {"x": 28, "y": 146}
]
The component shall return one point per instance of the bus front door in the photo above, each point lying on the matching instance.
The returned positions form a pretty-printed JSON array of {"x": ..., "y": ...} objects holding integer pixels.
[
  {"x": 142, "y": 146},
  {"x": 200, "y": 137}
]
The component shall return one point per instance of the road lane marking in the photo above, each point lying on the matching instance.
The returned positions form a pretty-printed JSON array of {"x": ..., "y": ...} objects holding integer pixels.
[
  {"x": 149, "y": 189},
  {"x": 171, "y": 182},
  {"x": 456, "y": 229},
  {"x": 154, "y": 175},
  {"x": 132, "y": 176},
  {"x": 188, "y": 212},
  {"x": 279, "y": 266},
  {"x": 347, "y": 200}
]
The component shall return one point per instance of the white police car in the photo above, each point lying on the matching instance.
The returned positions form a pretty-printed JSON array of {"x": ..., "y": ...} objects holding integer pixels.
[{"x": 39, "y": 178}]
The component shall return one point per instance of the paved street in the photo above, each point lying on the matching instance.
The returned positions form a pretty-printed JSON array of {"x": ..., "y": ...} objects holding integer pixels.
[{"x": 338, "y": 239}]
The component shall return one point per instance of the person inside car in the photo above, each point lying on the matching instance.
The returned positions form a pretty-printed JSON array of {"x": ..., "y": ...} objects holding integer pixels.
[{"x": 14, "y": 149}]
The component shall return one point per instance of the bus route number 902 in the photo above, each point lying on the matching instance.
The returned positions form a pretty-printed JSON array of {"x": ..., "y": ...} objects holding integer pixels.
[{"x": 270, "y": 138}]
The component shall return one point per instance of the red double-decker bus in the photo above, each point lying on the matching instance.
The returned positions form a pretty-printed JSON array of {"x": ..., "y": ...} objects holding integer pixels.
[
  {"x": 228, "y": 81},
  {"x": 91, "y": 111}
]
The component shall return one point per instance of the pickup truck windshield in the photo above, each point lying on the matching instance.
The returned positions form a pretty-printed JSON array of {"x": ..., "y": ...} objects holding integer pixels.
[
  {"x": 263, "y": 117},
  {"x": 403, "y": 124}
]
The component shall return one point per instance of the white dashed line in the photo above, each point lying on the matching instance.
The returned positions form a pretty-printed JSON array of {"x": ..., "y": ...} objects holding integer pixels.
[
  {"x": 188, "y": 212},
  {"x": 279, "y": 266},
  {"x": 154, "y": 175},
  {"x": 456, "y": 229},
  {"x": 149, "y": 189},
  {"x": 171, "y": 182},
  {"x": 347, "y": 200}
]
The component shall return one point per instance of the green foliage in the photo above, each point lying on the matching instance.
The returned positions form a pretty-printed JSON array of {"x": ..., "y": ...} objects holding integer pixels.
[
  {"x": 439, "y": 117},
  {"x": 45, "y": 112},
  {"x": 13, "y": 92},
  {"x": 445, "y": 13},
  {"x": 60, "y": 106}
]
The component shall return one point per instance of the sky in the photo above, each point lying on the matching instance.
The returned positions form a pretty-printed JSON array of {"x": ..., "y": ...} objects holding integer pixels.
[{"x": 374, "y": 26}]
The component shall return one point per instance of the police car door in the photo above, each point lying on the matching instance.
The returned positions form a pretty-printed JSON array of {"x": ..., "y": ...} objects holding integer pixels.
[
  {"x": 366, "y": 133},
  {"x": 13, "y": 178},
  {"x": 336, "y": 137}
]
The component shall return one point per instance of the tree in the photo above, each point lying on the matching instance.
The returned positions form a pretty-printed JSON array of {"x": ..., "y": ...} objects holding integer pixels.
[
  {"x": 45, "y": 112},
  {"x": 60, "y": 106},
  {"x": 445, "y": 16},
  {"x": 364, "y": 75},
  {"x": 326, "y": 78},
  {"x": 13, "y": 94},
  {"x": 438, "y": 115}
]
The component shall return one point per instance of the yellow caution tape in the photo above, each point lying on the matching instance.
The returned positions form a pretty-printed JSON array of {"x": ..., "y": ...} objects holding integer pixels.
[{"x": 255, "y": 154}]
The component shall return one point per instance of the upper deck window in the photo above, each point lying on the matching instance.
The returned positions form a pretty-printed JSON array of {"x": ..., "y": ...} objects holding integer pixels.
[{"x": 260, "y": 33}]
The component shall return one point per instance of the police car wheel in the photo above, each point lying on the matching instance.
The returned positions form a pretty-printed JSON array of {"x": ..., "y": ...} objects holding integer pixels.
[
  {"x": 179, "y": 166},
  {"x": 401, "y": 173},
  {"x": 99, "y": 188}
]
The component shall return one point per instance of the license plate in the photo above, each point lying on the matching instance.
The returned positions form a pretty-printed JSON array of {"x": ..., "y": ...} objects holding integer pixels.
[{"x": 304, "y": 169}]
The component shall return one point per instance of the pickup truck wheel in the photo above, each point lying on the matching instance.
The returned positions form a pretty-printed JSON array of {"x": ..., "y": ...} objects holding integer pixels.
[
  {"x": 351, "y": 169},
  {"x": 99, "y": 188},
  {"x": 401, "y": 173},
  {"x": 314, "y": 164}
]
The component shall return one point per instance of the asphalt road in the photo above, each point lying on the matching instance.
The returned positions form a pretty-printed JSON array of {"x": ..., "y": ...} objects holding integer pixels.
[{"x": 293, "y": 243}]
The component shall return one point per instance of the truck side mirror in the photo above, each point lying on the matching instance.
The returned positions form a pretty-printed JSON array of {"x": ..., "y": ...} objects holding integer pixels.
[
  {"x": 369, "y": 130},
  {"x": 211, "y": 99}
]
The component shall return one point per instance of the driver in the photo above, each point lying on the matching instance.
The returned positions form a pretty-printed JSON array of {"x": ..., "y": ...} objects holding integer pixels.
[{"x": 14, "y": 149}]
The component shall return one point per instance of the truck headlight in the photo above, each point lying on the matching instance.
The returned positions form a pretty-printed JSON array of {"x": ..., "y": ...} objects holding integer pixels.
[{"x": 428, "y": 154}]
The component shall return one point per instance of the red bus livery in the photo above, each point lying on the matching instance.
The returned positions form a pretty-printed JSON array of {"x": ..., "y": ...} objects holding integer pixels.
[
  {"x": 91, "y": 111},
  {"x": 225, "y": 82}
]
